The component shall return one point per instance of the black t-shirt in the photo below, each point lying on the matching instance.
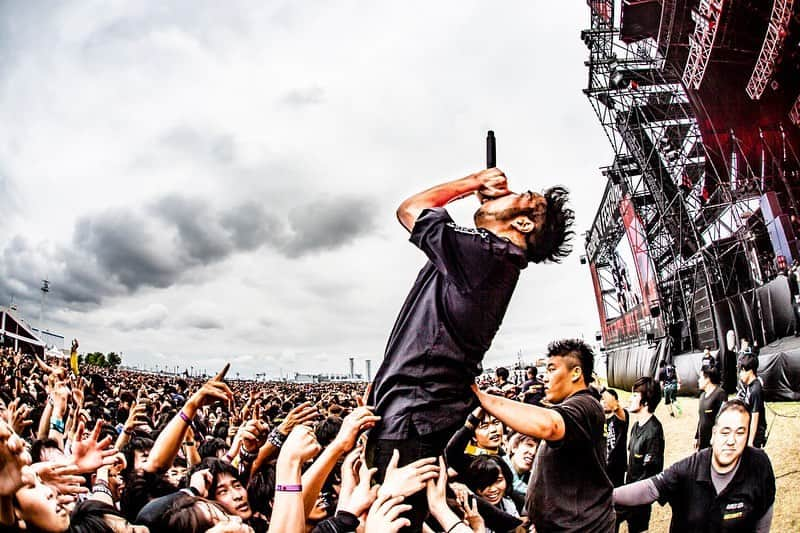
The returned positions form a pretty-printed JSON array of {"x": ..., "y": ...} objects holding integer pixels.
[
  {"x": 533, "y": 391},
  {"x": 616, "y": 448},
  {"x": 445, "y": 327},
  {"x": 646, "y": 450},
  {"x": 569, "y": 489},
  {"x": 753, "y": 396},
  {"x": 688, "y": 488},
  {"x": 668, "y": 374},
  {"x": 707, "y": 409}
]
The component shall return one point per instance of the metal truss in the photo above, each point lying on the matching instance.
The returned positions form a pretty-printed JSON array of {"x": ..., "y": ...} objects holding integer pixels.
[
  {"x": 794, "y": 113},
  {"x": 771, "y": 48},
  {"x": 706, "y": 18}
]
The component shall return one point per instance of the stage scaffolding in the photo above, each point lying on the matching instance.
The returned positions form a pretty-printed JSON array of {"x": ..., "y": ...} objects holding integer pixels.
[{"x": 698, "y": 193}]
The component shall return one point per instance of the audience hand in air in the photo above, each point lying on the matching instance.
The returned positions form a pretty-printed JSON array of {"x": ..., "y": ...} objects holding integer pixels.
[
  {"x": 409, "y": 479},
  {"x": 384, "y": 515}
]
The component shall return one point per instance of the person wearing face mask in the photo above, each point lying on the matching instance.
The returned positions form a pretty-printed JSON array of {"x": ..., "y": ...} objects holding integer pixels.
[
  {"x": 617, "y": 420},
  {"x": 729, "y": 487},
  {"x": 645, "y": 447}
]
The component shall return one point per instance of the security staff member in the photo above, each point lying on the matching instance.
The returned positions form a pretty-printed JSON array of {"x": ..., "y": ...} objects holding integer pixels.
[
  {"x": 711, "y": 400},
  {"x": 729, "y": 487}
]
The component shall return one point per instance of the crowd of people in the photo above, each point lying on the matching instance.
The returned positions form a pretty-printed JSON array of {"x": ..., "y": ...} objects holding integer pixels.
[{"x": 114, "y": 450}]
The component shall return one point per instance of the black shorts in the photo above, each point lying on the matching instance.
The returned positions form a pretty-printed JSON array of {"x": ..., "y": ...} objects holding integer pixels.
[{"x": 670, "y": 392}]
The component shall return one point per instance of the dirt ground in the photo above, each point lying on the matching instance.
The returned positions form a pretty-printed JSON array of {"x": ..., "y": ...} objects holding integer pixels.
[{"x": 782, "y": 448}]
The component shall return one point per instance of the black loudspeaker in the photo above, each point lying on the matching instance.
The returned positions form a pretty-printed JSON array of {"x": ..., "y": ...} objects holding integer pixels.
[
  {"x": 598, "y": 336},
  {"x": 655, "y": 310},
  {"x": 651, "y": 336},
  {"x": 640, "y": 19}
]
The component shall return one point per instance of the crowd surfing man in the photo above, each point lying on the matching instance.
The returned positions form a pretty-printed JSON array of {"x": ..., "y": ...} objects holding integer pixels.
[
  {"x": 448, "y": 321},
  {"x": 729, "y": 487},
  {"x": 569, "y": 490}
]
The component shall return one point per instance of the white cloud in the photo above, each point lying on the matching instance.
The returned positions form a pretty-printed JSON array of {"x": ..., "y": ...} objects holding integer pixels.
[{"x": 249, "y": 156}]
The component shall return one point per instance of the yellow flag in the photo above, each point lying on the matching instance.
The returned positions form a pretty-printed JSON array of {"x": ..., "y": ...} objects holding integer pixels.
[{"x": 73, "y": 358}]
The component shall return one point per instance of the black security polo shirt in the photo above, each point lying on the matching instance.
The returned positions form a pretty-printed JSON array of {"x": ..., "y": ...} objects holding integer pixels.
[
  {"x": 753, "y": 396},
  {"x": 696, "y": 506},
  {"x": 616, "y": 447},
  {"x": 445, "y": 327},
  {"x": 707, "y": 409},
  {"x": 646, "y": 450},
  {"x": 569, "y": 490}
]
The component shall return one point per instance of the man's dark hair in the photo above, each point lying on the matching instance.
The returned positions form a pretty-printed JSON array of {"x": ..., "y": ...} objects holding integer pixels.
[
  {"x": 211, "y": 447},
  {"x": 42, "y": 444},
  {"x": 532, "y": 370},
  {"x": 613, "y": 393},
  {"x": 712, "y": 374},
  {"x": 140, "y": 488},
  {"x": 216, "y": 468},
  {"x": 261, "y": 489},
  {"x": 578, "y": 350},
  {"x": 551, "y": 242},
  {"x": 502, "y": 372},
  {"x": 734, "y": 404},
  {"x": 749, "y": 362},
  {"x": 327, "y": 430},
  {"x": 89, "y": 516},
  {"x": 135, "y": 444},
  {"x": 650, "y": 391}
]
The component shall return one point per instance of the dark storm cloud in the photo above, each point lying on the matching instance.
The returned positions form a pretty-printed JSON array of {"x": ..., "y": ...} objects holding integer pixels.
[
  {"x": 203, "y": 322},
  {"x": 120, "y": 251},
  {"x": 329, "y": 223}
]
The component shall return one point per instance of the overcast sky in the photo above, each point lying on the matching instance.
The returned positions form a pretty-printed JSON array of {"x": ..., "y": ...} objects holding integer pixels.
[{"x": 206, "y": 181}]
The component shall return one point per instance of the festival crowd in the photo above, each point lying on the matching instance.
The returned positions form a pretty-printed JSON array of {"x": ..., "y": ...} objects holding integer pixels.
[{"x": 115, "y": 450}]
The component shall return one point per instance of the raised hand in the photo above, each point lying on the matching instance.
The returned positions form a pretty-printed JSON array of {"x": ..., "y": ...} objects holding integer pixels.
[
  {"x": 62, "y": 477},
  {"x": 301, "y": 445},
  {"x": 493, "y": 183},
  {"x": 137, "y": 418},
  {"x": 357, "y": 493},
  {"x": 89, "y": 454},
  {"x": 18, "y": 416},
  {"x": 384, "y": 515},
  {"x": 305, "y": 412},
  {"x": 253, "y": 434},
  {"x": 201, "y": 481},
  {"x": 13, "y": 458},
  {"x": 212, "y": 390},
  {"x": 409, "y": 479},
  {"x": 353, "y": 424}
]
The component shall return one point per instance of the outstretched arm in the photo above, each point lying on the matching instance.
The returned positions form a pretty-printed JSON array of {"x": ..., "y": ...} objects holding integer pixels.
[
  {"x": 490, "y": 182},
  {"x": 544, "y": 424}
]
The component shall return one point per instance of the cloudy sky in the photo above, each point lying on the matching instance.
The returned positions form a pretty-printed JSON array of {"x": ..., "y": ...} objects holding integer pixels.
[{"x": 207, "y": 181}]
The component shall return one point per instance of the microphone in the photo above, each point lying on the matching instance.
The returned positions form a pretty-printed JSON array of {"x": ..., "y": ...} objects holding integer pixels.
[{"x": 491, "y": 150}]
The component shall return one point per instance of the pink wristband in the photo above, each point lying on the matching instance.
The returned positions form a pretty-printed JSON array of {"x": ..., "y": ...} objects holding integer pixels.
[{"x": 289, "y": 488}]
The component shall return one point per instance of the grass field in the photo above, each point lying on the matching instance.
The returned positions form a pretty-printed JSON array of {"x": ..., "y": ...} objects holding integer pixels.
[{"x": 782, "y": 448}]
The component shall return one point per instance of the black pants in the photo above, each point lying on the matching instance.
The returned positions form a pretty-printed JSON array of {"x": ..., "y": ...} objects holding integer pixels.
[
  {"x": 379, "y": 453},
  {"x": 638, "y": 517}
]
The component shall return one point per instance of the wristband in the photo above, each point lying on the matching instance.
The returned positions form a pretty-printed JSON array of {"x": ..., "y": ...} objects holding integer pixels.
[
  {"x": 57, "y": 424},
  {"x": 454, "y": 526},
  {"x": 289, "y": 488},
  {"x": 102, "y": 488},
  {"x": 276, "y": 438},
  {"x": 249, "y": 457},
  {"x": 186, "y": 419}
]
